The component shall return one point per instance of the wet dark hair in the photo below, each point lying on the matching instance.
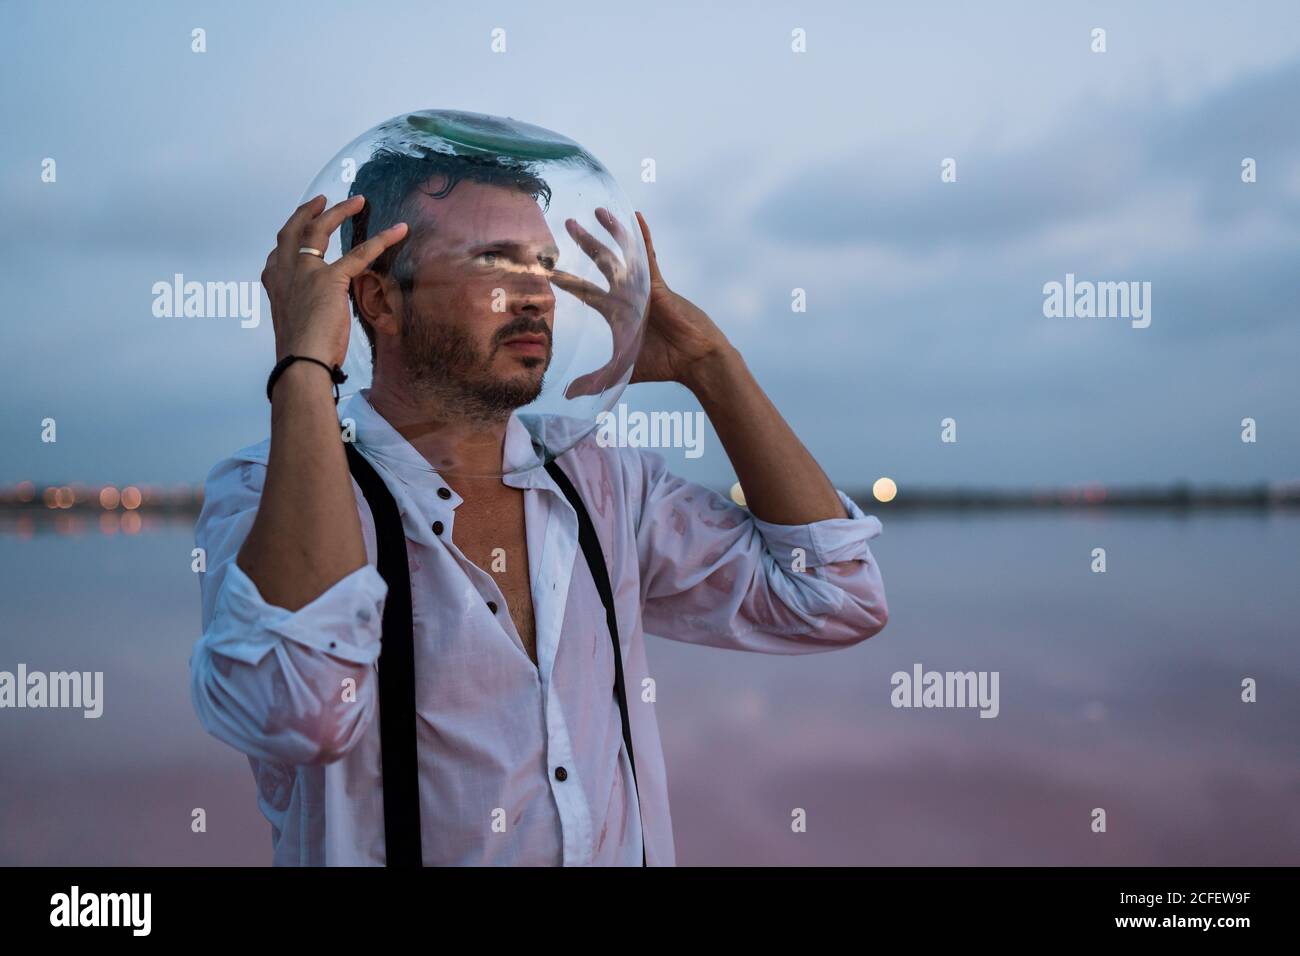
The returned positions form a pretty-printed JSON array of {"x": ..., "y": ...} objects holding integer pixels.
[{"x": 390, "y": 180}]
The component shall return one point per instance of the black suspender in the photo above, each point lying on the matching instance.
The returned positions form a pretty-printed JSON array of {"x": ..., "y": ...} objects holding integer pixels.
[
  {"x": 600, "y": 574},
  {"x": 402, "y": 845},
  {"x": 396, "y": 673}
]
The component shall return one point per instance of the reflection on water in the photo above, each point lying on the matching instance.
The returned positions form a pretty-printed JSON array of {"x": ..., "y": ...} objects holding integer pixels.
[{"x": 1119, "y": 690}]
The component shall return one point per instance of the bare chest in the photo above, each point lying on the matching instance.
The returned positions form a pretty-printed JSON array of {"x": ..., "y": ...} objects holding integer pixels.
[{"x": 489, "y": 530}]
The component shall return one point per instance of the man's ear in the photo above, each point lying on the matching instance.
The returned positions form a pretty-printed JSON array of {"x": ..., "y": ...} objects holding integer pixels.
[{"x": 377, "y": 302}]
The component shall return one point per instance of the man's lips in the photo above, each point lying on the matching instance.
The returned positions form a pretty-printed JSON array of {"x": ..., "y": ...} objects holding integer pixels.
[{"x": 535, "y": 344}]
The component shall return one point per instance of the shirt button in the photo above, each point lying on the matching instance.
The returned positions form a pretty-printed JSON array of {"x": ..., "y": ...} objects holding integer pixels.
[
  {"x": 492, "y": 606},
  {"x": 444, "y": 494},
  {"x": 437, "y": 527},
  {"x": 561, "y": 774}
]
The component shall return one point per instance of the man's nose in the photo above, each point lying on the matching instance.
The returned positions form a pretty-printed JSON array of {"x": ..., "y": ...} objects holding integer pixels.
[{"x": 532, "y": 290}]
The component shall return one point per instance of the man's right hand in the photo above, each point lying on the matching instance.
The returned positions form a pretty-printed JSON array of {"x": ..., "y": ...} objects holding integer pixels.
[
  {"x": 307, "y": 532},
  {"x": 309, "y": 297}
]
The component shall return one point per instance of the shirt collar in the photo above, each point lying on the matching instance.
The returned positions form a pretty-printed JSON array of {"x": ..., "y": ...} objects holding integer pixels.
[{"x": 521, "y": 457}]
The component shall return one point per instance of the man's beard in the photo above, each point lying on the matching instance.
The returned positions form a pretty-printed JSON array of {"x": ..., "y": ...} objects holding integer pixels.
[{"x": 444, "y": 364}]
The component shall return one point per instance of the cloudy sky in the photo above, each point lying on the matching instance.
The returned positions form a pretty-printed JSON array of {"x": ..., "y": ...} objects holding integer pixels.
[{"x": 775, "y": 170}]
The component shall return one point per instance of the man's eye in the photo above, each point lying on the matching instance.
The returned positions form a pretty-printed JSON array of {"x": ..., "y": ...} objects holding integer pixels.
[
  {"x": 489, "y": 258},
  {"x": 547, "y": 264}
]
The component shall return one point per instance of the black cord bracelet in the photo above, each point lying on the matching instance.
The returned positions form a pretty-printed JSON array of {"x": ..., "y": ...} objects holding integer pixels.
[{"x": 337, "y": 375}]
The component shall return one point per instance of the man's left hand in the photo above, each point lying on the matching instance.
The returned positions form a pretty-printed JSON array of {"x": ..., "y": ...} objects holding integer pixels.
[{"x": 677, "y": 334}]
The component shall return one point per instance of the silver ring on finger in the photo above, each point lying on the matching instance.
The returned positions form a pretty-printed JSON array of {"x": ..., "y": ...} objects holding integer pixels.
[{"x": 309, "y": 251}]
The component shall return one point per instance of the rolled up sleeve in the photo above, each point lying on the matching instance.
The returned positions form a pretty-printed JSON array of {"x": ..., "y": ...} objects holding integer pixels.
[
  {"x": 293, "y": 687},
  {"x": 714, "y": 574}
]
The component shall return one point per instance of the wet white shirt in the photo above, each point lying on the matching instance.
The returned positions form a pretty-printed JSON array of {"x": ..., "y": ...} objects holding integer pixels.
[{"x": 296, "y": 691}]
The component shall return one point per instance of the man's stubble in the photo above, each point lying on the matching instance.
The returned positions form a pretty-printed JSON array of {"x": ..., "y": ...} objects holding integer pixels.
[{"x": 443, "y": 364}]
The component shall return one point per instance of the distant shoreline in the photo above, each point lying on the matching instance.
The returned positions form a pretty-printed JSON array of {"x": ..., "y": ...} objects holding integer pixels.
[
  {"x": 1179, "y": 497},
  {"x": 27, "y": 502}
]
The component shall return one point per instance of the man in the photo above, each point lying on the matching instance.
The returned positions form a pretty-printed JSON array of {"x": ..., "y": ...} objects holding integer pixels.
[{"x": 519, "y": 741}]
